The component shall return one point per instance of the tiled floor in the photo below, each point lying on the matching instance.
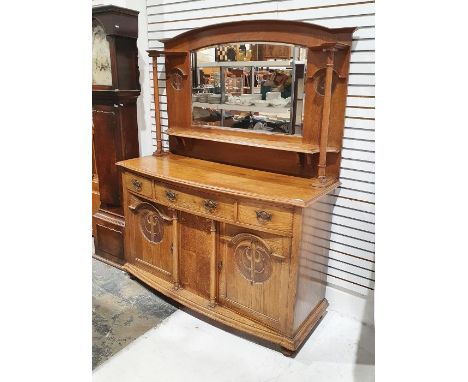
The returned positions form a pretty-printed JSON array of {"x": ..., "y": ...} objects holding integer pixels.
[
  {"x": 123, "y": 310},
  {"x": 185, "y": 348}
]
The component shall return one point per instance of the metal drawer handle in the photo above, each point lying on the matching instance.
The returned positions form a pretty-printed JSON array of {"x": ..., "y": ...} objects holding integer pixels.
[
  {"x": 210, "y": 205},
  {"x": 171, "y": 195},
  {"x": 263, "y": 216},
  {"x": 136, "y": 184}
]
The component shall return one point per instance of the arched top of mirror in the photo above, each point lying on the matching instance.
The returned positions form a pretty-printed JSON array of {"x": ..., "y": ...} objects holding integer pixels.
[{"x": 289, "y": 32}]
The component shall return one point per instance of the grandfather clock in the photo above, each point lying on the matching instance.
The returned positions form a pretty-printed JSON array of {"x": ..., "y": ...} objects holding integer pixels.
[{"x": 115, "y": 131}]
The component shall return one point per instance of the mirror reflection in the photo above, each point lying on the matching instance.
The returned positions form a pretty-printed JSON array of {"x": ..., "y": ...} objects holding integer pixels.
[{"x": 252, "y": 86}]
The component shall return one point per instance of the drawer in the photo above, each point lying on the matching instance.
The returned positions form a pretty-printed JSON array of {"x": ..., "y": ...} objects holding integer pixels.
[
  {"x": 265, "y": 215},
  {"x": 196, "y": 201},
  {"x": 139, "y": 185}
]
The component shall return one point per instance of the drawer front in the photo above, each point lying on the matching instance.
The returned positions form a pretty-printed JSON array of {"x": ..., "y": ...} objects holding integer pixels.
[
  {"x": 139, "y": 185},
  {"x": 199, "y": 202},
  {"x": 265, "y": 215}
]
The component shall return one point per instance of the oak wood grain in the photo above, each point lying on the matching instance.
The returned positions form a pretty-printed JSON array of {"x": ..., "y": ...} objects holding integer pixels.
[
  {"x": 226, "y": 179},
  {"x": 217, "y": 223}
]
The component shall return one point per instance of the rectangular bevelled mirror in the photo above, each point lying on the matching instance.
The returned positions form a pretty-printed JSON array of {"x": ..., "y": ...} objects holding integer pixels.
[{"x": 251, "y": 86}]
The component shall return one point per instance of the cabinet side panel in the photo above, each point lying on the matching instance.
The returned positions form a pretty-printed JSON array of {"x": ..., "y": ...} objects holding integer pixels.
[{"x": 312, "y": 267}]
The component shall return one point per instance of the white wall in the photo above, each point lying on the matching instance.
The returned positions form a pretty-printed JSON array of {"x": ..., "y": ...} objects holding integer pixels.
[
  {"x": 144, "y": 100},
  {"x": 350, "y": 273}
]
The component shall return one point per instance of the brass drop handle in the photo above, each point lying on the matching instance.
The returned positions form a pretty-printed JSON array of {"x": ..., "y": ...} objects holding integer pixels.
[
  {"x": 136, "y": 184},
  {"x": 263, "y": 216},
  {"x": 210, "y": 205},
  {"x": 171, "y": 195}
]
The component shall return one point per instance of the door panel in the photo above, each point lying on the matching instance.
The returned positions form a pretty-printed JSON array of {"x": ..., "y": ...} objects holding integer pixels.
[
  {"x": 255, "y": 273},
  {"x": 105, "y": 127},
  {"x": 149, "y": 228},
  {"x": 194, "y": 253}
]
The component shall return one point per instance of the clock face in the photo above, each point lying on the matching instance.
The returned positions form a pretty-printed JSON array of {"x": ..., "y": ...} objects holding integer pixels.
[{"x": 102, "y": 74}]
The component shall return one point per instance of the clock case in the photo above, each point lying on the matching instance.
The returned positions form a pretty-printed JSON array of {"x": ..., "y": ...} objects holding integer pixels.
[{"x": 115, "y": 129}]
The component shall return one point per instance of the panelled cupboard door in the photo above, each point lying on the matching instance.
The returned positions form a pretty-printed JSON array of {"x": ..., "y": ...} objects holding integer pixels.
[
  {"x": 194, "y": 253},
  {"x": 104, "y": 128},
  {"x": 149, "y": 228},
  {"x": 254, "y": 274}
]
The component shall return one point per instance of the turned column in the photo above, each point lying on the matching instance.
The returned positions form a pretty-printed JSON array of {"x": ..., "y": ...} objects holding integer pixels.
[
  {"x": 175, "y": 250},
  {"x": 213, "y": 264},
  {"x": 322, "y": 165}
]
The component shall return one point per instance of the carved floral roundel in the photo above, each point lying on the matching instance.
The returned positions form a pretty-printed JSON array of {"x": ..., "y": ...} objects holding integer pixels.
[
  {"x": 151, "y": 225},
  {"x": 253, "y": 259}
]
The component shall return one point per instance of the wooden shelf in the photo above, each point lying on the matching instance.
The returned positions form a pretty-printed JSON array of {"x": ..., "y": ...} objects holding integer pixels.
[
  {"x": 218, "y": 136},
  {"x": 228, "y": 106},
  {"x": 232, "y": 180}
]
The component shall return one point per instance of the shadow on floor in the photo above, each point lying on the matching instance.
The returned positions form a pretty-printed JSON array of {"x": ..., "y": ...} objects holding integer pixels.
[{"x": 123, "y": 310}]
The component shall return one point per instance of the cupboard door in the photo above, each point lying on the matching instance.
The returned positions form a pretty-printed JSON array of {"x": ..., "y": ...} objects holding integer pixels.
[
  {"x": 105, "y": 126},
  {"x": 254, "y": 275},
  {"x": 194, "y": 253},
  {"x": 150, "y": 236}
]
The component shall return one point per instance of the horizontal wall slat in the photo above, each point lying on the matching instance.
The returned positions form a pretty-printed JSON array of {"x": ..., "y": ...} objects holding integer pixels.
[
  {"x": 311, "y": 266},
  {"x": 360, "y": 101},
  {"x": 359, "y": 67},
  {"x": 355, "y": 133},
  {"x": 358, "y": 112},
  {"x": 170, "y": 8},
  {"x": 347, "y": 261},
  {"x": 342, "y": 17},
  {"x": 347, "y": 221},
  {"x": 366, "y": 91},
  {"x": 196, "y": 18},
  {"x": 360, "y": 123},
  {"x": 357, "y": 175},
  {"x": 354, "y": 194},
  {"x": 352, "y": 204}
]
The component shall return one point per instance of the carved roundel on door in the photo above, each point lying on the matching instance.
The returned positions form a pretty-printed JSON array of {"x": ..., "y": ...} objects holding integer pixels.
[
  {"x": 151, "y": 224},
  {"x": 253, "y": 257}
]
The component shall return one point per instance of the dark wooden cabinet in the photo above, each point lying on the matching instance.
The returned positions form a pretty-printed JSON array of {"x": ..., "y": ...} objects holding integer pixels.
[{"x": 115, "y": 131}]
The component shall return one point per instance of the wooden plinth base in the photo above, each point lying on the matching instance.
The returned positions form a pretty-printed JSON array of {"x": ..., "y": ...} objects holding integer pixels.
[
  {"x": 108, "y": 229},
  {"x": 230, "y": 318}
]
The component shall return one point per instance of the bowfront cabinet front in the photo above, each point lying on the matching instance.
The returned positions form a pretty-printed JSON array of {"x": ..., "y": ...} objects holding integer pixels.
[
  {"x": 233, "y": 257},
  {"x": 242, "y": 269}
]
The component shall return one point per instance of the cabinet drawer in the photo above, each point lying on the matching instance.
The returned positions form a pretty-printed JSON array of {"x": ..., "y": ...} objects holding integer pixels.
[
  {"x": 265, "y": 215},
  {"x": 139, "y": 185},
  {"x": 199, "y": 202}
]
